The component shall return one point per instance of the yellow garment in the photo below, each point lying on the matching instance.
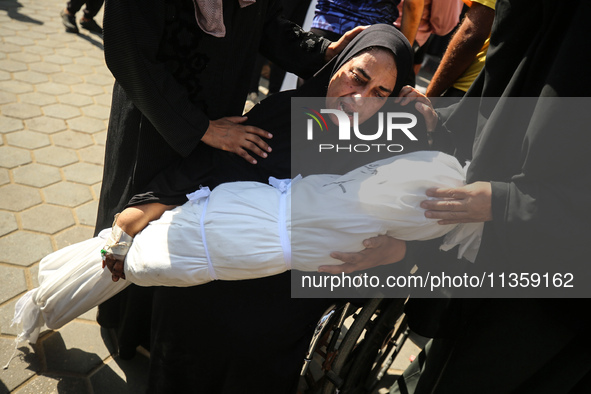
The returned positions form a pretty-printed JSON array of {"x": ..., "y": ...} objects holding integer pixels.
[{"x": 468, "y": 77}]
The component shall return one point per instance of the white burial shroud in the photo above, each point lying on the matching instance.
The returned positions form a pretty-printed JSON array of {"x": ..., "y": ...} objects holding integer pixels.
[{"x": 245, "y": 230}]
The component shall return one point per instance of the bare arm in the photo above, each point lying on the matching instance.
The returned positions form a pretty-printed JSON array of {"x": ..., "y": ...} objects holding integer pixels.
[
  {"x": 132, "y": 220},
  {"x": 463, "y": 48},
  {"x": 411, "y": 18}
]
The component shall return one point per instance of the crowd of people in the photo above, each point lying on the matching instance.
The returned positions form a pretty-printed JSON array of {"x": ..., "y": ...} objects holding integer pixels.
[{"x": 183, "y": 70}]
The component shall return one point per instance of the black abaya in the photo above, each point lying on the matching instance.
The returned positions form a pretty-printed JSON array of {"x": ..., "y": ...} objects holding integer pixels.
[
  {"x": 245, "y": 336},
  {"x": 536, "y": 158},
  {"x": 171, "y": 78}
]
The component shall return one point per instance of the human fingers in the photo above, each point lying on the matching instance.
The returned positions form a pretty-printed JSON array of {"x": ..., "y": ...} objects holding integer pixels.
[
  {"x": 241, "y": 145},
  {"x": 253, "y": 147},
  {"x": 115, "y": 277},
  {"x": 414, "y": 95},
  {"x": 231, "y": 121},
  {"x": 443, "y": 205},
  {"x": 245, "y": 143},
  {"x": 449, "y": 217},
  {"x": 346, "y": 268},
  {"x": 379, "y": 250},
  {"x": 348, "y": 257},
  {"x": 118, "y": 269},
  {"x": 336, "y": 47},
  {"x": 454, "y": 193},
  {"x": 404, "y": 92},
  {"x": 258, "y": 131},
  {"x": 228, "y": 135},
  {"x": 115, "y": 266},
  {"x": 408, "y": 94},
  {"x": 351, "y": 34},
  {"x": 109, "y": 262},
  {"x": 375, "y": 242},
  {"x": 422, "y": 104},
  {"x": 353, "y": 261},
  {"x": 245, "y": 155},
  {"x": 253, "y": 135},
  {"x": 383, "y": 249},
  {"x": 429, "y": 114},
  {"x": 468, "y": 204}
]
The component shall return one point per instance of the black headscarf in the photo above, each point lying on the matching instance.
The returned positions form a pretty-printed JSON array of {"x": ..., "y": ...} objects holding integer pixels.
[
  {"x": 383, "y": 36},
  {"x": 209, "y": 166}
]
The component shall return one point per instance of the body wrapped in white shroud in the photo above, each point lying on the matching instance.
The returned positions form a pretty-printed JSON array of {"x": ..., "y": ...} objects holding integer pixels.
[{"x": 246, "y": 230}]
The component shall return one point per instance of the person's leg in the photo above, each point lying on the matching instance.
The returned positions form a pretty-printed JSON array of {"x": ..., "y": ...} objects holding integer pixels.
[
  {"x": 419, "y": 57},
  {"x": 87, "y": 22},
  {"x": 92, "y": 8},
  {"x": 73, "y": 6},
  {"x": 69, "y": 15}
]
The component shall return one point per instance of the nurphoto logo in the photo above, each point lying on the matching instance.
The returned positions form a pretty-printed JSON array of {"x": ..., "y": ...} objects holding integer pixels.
[{"x": 388, "y": 124}]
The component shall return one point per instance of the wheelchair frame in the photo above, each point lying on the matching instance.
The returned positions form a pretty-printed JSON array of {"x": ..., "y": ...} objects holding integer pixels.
[{"x": 354, "y": 360}]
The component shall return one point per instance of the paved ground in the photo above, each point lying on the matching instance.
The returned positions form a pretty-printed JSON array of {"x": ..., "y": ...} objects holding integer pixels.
[{"x": 55, "y": 95}]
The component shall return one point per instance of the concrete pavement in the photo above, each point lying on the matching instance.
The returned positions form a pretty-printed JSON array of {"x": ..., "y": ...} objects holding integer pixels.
[{"x": 55, "y": 97}]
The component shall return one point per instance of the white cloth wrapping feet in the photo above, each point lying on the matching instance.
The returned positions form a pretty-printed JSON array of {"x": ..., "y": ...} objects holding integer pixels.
[
  {"x": 71, "y": 282},
  {"x": 246, "y": 230}
]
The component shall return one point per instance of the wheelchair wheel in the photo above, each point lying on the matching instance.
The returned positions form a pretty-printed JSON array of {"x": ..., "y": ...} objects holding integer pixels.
[
  {"x": 375, "y": 353},
  {"x": 364, "y": 348},
  {"x": 355, "y": 362}
]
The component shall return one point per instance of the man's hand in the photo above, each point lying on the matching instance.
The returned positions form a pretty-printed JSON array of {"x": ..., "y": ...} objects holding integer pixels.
[
  {"x": 468, "y": 204},
  {"x": 336, "y": 47},
  {"x": 380, "y": 250},
  {"x": 230, "y": 135},
  {"x": 115, "y": 266},
  {"x": 409, "y": 94}
]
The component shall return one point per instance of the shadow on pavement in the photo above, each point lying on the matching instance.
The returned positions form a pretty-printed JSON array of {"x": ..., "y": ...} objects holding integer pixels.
[
  {"x": 11, "y": 7},
  {"x": 92, "y": 40}
]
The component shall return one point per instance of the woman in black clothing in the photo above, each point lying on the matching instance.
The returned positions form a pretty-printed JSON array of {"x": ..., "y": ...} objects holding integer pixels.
[
  {"x": 524, "y": 124},
  {"x": 172, "y": 80},
  {"x": 246, "y": 336}
]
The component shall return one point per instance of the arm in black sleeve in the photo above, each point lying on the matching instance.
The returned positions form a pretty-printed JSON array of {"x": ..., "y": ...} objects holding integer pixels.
[
  {"x": 207, "y": 166},
  {"x": 538, "y": 221},
  {"x": 288, "y": 46},
  {"x": 132, "y": 35},
  {"x": 542, "y": 212}
]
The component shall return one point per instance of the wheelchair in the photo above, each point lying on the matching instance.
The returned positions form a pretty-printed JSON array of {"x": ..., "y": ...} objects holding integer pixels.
[{"x": 354, "y": 360}]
